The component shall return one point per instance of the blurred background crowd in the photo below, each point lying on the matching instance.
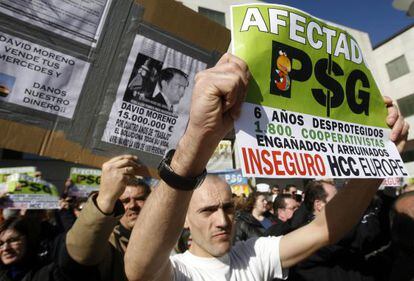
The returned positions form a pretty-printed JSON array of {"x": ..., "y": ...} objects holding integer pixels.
[{"x": 380, "y": 247}]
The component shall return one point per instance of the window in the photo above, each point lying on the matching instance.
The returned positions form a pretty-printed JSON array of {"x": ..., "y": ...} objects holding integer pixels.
[
  {"x": 406, "y": 105},
  {"x": 397, "y": 67},
  {"x": 213, "y": 15}
]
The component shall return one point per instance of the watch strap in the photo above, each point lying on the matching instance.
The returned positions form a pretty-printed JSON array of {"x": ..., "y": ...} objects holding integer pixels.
[{"x": 174, "y": 180}]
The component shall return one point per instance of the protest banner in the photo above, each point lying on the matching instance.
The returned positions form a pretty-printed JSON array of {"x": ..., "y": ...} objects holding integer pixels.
[
  {"x": 40, "y": 78},
  {"x": 84, "y": 181},
  {"x": 239, "y": 184},
  {"x": 313, "y": 108},
  {"x": 152, "y": 105},
  {"x": 5, "y": 172},
  {"x": 26, "y": 192},
  {"x": 78, "y": 20}
]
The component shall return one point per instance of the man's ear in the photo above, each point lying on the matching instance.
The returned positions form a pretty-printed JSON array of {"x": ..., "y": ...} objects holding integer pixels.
[
  {"x": 317, "y": 205},
  {"x": 186, "y": 225},
  {"x": 162, "y": 84}
]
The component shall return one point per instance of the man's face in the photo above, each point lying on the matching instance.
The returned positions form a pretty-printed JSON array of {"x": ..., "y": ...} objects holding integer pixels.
[
  {"x": 261, "y": 204},
  {"x": 13, "y": 246},
  {"x": 286, "y": 213},
  {"x": 275, "y": 190},
  {"x": 133, "y": 200},
  {"x": 210, "y": 218},
  {"x": 175, "y": 88}
]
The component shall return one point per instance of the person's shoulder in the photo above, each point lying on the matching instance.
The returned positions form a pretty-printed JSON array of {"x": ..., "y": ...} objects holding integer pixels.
[{"x": 255, "y": 244}]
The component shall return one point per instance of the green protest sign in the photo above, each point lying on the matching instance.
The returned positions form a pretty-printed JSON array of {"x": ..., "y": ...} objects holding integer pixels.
[
  {"x": 84, "y": 181},
  {"x": 313, "y": 108},
  {"x": 5, "y": 172},
  {"x": 26, "y": 192}
]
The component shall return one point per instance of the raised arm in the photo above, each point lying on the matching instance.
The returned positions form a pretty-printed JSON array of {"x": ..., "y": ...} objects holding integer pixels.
[
  {"x": 217, "y": 97},
  {"x": 344, "y": 210},
  {"x": 87, "y": 240}
]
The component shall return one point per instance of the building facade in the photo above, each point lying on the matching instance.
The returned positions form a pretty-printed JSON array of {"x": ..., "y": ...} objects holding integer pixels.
[{"x": 394, "y": 73}]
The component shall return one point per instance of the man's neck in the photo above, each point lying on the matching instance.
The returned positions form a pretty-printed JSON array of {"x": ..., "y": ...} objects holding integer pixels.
[{"x": 199, "y": 252}]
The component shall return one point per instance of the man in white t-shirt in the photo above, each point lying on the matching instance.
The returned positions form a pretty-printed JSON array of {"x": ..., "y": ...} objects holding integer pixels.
[
  {"x": 208, "y": 211},
  {"x": 210, "y": 218}
]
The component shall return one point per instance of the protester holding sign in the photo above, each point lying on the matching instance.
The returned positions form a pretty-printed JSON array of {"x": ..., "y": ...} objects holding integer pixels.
[
  {"x": 100, "y": 235},
  {"x": 314, "y": 109},
  {"x": 208, "y": 211}
]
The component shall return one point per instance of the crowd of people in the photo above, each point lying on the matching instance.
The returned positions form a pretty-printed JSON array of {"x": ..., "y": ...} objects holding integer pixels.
[
  {"x": 50, "y": 244},
  {"x": 189, "y": 226}
]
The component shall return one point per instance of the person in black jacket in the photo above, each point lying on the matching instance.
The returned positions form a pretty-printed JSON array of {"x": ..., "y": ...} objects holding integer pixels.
[
  {"x": 254, "y": 219},
  {"x": 395, "y": 262},
  {"x": 19, "y": 259},
  {"x": 284, "y": 208},
  {"x": 344, "y": 260}
]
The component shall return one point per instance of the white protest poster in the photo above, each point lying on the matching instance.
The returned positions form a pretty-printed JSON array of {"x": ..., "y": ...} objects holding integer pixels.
[
  {"x": 25, "y": 192},
  {"x": 152, "y": 104},
  {"x": 40, "y": 78},
  {"x": 313, "y": 108},
  {"x": 79, "y": 20}
]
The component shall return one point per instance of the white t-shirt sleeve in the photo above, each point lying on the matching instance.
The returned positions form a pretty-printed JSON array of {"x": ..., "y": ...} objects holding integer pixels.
[
  {"x": 180, "y": 271},
  {"x": 266, "y": 258}
]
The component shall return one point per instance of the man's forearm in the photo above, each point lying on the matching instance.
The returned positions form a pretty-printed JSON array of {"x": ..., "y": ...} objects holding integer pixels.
[
  {"x": 347, "y": 207},
  {"x": 164, "y": 215},
  {"x": 87, "y": 240}
]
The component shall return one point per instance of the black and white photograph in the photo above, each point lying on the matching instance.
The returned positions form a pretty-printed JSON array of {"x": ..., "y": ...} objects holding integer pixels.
[{"x": 151, "y": 109}]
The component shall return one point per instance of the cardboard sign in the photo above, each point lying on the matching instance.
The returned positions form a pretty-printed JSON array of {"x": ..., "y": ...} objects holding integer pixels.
[
  {"x": 151, "y": 113},
  {"x": 313, "y": 108},
  {"x": 84, "y": 181},
  {"x": 6, "y": 172},
  {"x": 25, "y": 192},
  {"x": 40, "y": 78}
]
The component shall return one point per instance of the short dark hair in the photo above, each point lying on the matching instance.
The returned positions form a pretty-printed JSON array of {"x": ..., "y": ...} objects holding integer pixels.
[
  {"x": 288, "y": 186},
  {"x": 280, "y": 201},
  {"x": 133, "y": 181},
  {"x": 167, "y": 74},
  {"x": 314, "y": 191},
  {"x": 251, "y": 200}
]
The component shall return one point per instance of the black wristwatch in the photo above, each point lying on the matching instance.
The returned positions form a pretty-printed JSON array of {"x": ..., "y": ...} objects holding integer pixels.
[{"x": 168, "y": 175}]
